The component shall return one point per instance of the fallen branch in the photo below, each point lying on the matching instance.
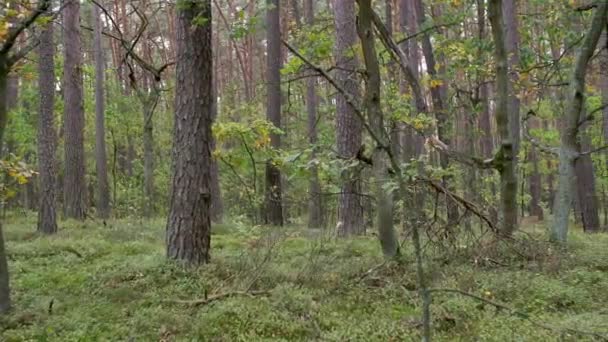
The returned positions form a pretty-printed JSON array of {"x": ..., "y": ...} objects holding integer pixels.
[
  {"x": 523, "y": 315},
  {"x": 215, "y": 298},
  {"x": 472, "y": 207}
]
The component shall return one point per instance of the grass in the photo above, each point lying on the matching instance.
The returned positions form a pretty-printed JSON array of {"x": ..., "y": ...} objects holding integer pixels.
[{"x": 112, "y": 283}]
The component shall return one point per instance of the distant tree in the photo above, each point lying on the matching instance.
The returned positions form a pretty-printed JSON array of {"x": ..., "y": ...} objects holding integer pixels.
[
  {"x": 348, "y": 131},
  {"x": 274, "y": 202},
  {"x": 189, "y": 222},
  {"x": 103, "y": 188},
  {"x": 315, "y": 211},
  {"x": 74, "y": 193}
]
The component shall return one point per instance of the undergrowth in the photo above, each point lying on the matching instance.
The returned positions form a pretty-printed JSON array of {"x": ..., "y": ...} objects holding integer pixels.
[{"x": 94, "y": 282}]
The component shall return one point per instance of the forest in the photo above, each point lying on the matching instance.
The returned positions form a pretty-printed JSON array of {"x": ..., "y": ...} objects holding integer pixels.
[{"x": 300, "y": 170}]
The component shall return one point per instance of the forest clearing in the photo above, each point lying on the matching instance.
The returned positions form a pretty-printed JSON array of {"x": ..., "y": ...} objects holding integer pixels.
[{"x": 300, "y": 170}]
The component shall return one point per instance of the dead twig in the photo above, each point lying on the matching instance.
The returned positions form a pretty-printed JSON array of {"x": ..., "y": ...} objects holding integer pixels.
[
  {"x": 218, "y": 297},
  {"x": 523, "y": 315}
]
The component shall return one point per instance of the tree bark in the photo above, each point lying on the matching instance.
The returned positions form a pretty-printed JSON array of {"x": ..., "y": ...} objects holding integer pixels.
[
  {"x": 585, "y": 185},
  {"x": 274, "y": 205},
  {"x": 101, "y": 160},
  {"x": 512, "y": 45},
  {"x": 189, "y": 222},
  {"x": 505, "y": 158},
  {"x": 569, "y": 149},
  {"x": 47, "y": 139},
  {"x": 348, "y": 131},
  {"x": 74, "y": 174}
]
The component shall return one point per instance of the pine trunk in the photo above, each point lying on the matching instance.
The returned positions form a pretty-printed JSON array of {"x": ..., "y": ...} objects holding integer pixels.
[{"x": 189, "y": 222}]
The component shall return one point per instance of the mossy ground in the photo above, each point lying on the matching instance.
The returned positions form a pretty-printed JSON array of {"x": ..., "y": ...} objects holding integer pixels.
[{"x": 112, "y": 283}]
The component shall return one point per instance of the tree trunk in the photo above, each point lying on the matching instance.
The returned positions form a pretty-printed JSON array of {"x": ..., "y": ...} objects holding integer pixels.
[
  {"x": 535, "y": 179},
  {"x": 149, "y": 105},
  {"x": 101, "y": 160},
  {"x": 74, "y": 182},
  {"x": 5, "y": 299},
  {"x": 189, "y": 222},
  {"x": 585, "y": 185},
  {"x": 47, "y": 140},
  {"x": 512, "y": 44},
  {"x": 315, "y": 213},
  {"x": 217, "y": 205},
  {"x": 384, "y": 198},
  {"x": 505, "y": 158},
  {"x": 348, "y": 131},
  {"x": 569, "y": 149},
  {"x": 274, "y": 205}
]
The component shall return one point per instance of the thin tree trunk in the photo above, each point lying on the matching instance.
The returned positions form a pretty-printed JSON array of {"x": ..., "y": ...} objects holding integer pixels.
[
  {"x": 348, "y": 131},
  {"x": 47, "y": 140},
  {"x": 149, "y": 105},
  {"x": 569, "y": 150},
  {"x": 315, "y": 204},
  {"x": 274, "y": 205},
  {"x": 585, "y": 185},
  {"x": 384, "y": 198},
  {"x": 101, "y": 162},
  {"x": 189, "y": 222},
  {"x": 74, "y": 182}
]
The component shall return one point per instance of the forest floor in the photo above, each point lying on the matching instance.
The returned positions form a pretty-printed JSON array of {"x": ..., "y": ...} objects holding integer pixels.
[{"x": 92, "y": 282}]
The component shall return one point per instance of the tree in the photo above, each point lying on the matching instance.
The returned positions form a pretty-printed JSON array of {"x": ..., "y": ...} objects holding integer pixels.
[
  {"x": 386, "y": 231},
  {"x": 569, "y": 151},
  {"x": 504, "y": 159},
  {"x": 189, "y": 222},
  {"x": 348, "y": 131},
  {"x": 74, "y": 194},
  {"x": 103, "y": 188},
  {"x": 315, "y": 213},
  {"x": 47, "y": 139},
  {"x": 8, "y": 58},
  {"x": 274, "y": 205}
]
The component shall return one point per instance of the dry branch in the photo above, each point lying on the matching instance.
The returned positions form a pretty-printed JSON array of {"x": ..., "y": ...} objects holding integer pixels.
[{"x": 221, "y": 296}]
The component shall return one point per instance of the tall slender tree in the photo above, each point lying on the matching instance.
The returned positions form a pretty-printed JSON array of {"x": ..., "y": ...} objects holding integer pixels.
[
  {"x": 274, "y": 62},
  {"x": 504, "y": 159},
  {"x": 103, "y": 188},
  {"x": 47, "y": 139},
  {"x": 348, "y": 135},
  {"x": 315, "y": 213},
  {"x": 74, "y": 194},
  {"x": 189, "y": 223},
  {"x": 570, "y": 148}
]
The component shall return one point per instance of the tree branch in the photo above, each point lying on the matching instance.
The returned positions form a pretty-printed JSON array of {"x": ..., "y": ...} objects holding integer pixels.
[{"x": 43, "y": 6}]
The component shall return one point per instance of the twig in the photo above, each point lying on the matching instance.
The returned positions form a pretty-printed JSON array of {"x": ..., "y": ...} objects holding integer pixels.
[
  {"x": 208, "y": 300},
  {"x": 522, "y": 314}
]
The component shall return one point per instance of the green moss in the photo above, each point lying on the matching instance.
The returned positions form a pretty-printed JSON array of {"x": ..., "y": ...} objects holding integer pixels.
[{"x": 113, "y": 283}]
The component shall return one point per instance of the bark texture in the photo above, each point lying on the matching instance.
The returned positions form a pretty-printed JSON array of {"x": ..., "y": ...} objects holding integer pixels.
[
  {"x": 189, "y": 222},
  {"x": 505, "y": 158},
  {"x": 47, "y": 139},
  {"x": 348, "y": 136},
  {"x": 274, "y": 62},
  {"x": 74, "y": 175},
  {"x": 101, "y": 159}
]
